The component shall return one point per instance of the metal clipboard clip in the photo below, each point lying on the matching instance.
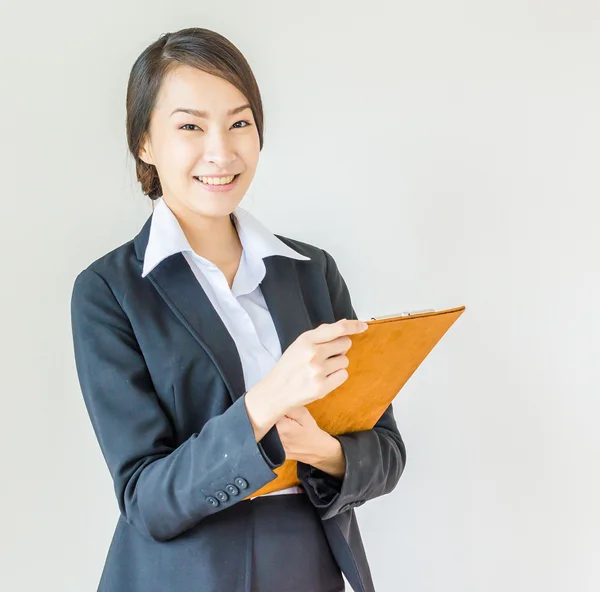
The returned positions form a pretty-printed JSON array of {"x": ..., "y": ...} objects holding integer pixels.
[{"x": 403, "y": 314}]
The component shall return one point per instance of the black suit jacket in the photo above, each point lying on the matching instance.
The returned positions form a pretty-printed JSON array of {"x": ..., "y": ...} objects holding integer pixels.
[{"x": 163, "y": 385}]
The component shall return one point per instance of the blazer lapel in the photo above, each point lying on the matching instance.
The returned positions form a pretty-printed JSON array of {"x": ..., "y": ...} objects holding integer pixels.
[
  {"x": 282, "y": 293},
  {"x": 179, "y": 288}
]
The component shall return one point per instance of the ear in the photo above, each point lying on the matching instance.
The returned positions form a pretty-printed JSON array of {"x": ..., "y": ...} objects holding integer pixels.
[{"x": 145, "y": 152}]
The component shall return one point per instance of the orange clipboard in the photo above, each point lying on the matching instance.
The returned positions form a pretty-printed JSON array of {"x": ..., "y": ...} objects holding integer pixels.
[{"x": 381, "y": 360}]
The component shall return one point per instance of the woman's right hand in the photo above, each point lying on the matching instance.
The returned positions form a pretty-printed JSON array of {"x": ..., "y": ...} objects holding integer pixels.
[{"x": 310, "y": 368}]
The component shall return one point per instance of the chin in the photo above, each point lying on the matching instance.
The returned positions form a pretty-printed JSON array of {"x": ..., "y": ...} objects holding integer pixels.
[{"x": 215, "y": 206}]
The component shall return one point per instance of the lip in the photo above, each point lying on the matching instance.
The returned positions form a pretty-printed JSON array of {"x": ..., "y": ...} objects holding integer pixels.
[
  {"x": 218, "y": 176},
  {"x": 218, "y": 188}
]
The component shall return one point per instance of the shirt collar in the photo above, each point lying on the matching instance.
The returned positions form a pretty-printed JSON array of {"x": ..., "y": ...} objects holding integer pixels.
[{"x": 167, "y": 238}]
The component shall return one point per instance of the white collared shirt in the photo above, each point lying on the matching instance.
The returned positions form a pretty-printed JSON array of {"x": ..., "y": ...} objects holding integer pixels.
[{"x": 242, "y": 307}]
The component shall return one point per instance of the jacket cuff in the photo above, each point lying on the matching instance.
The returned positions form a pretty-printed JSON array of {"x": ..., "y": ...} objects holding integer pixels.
[
  {"x": 254, "y": 463},
  {"x": 322, "y": 488},
  {"x": 348, "y": 494},
  {"x": 271, "y": 448}
]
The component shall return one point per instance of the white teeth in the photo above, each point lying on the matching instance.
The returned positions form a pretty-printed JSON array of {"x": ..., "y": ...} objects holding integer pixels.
[{"x": 216, "y": 180}]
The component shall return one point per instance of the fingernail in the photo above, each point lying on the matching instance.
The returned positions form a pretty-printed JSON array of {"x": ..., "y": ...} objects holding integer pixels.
[{"x": 365, "y": 326}]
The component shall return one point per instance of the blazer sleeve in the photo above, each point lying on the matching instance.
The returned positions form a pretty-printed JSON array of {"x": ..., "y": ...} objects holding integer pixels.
[
  {"x": 161, "y": 489},
  {"x": 375, "y": 458}
]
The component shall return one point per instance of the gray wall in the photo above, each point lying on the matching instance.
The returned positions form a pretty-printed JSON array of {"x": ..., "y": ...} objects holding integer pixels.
[{"x": 448, "y": 152}]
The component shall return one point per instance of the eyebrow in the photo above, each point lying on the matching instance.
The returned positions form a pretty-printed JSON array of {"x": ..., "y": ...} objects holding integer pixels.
[{"x": 205, "y": 115}]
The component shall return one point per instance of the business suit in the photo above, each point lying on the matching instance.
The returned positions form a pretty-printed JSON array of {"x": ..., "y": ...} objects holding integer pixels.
[{"x": 163, "y": 384}]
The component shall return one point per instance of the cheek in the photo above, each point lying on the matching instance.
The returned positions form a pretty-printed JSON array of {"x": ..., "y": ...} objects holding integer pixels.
[
  {"x": 177, "y": 153},
  {"x": 183, "y": 154},
  {"x": 250, "y": 150}
]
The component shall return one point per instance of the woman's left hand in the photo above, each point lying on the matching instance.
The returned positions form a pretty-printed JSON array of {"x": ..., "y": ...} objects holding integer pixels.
[{"x": 303, "y": 440}]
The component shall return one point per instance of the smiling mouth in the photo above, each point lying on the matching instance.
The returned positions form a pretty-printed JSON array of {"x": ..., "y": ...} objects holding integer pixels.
[{"x": 217, "y": 181}]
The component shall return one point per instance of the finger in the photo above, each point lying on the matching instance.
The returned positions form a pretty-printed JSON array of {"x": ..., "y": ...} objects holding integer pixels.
[
  {"x": 329, "y": 331},
  {"x": 338, "y": 346}
]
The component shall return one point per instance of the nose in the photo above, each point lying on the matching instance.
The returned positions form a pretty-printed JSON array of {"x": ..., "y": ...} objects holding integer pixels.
[{"x": 219, "y": 149}]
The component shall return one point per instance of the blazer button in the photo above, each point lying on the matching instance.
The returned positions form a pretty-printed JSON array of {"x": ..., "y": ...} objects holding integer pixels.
[
  {"x": 222, "y": 495},
  {"x": 232, "y": 489},
  {"x": 212, "y": 501},
  {"x": 241, "y": 483}
]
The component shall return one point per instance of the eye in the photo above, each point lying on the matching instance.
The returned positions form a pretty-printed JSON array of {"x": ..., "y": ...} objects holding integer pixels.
[{"x": 187, "y": 125}]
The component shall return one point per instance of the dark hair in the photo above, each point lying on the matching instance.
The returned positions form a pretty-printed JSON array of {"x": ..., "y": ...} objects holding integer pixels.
[{"x": 200, "y": 48}]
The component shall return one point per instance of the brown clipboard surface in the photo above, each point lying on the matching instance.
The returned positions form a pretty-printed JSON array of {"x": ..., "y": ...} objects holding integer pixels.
[{"x": 381, "y": 360}]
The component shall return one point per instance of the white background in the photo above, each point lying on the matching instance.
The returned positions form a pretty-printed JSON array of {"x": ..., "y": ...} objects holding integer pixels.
[{"x": 445, "y": 153}]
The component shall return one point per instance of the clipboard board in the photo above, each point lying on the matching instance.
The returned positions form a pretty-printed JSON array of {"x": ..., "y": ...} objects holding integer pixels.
[{"x": 381, "y": 361}]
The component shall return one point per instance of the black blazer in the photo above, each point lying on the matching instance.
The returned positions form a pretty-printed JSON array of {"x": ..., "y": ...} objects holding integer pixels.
[{"x": 163, "y": 385}]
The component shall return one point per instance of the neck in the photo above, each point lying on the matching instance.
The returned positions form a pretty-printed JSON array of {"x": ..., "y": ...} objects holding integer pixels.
[{"x": 214, "y": 238}]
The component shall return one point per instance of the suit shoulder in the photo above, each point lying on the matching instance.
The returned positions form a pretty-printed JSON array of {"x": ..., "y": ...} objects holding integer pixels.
[{"x": 114, "y": 266}]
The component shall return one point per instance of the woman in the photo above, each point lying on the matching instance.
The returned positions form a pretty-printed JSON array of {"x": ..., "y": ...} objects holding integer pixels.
[{"x": 178, "y": 337}]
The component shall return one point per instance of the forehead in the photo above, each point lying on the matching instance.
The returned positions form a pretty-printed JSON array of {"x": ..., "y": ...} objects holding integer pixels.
[{"x": 192, "y": 88}]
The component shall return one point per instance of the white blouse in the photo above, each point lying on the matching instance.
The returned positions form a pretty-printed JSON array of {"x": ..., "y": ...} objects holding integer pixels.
[{"x": 242, "y": 307}]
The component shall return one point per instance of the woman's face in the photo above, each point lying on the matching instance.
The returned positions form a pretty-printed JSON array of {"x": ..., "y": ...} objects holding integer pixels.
[{"x": 217, "y": 135}]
